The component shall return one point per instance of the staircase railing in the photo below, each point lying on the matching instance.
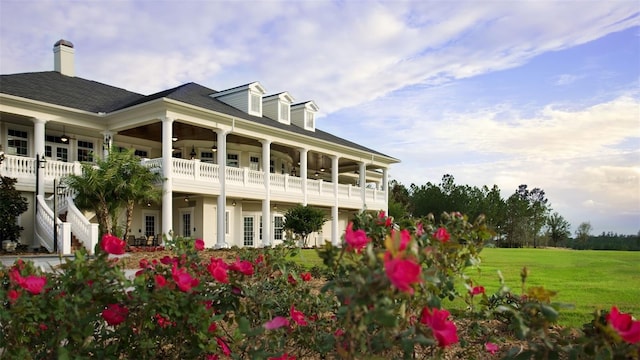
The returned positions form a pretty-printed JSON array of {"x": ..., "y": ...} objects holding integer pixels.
[
  {"x": 85, "y": 231},
  {"x": 44, "y": 229}
]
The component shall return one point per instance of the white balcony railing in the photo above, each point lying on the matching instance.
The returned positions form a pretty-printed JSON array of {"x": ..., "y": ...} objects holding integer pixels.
[{"x": 203, "y": 173}]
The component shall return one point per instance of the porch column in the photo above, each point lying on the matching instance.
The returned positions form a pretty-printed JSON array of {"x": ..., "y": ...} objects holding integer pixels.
[
  {"x": 222, "y": 198},
  {"x": 266, "y": 202},
  {"x": 107, "y": 142},
  {"x": 385, "y": 188},
  {"x": 303, "y": 174},
  {"x": 335, "y": 234},
  {"x": 362, "y": 182},
  {"x": 167, "y": 171},
  {"x": 38, "y": 147}
]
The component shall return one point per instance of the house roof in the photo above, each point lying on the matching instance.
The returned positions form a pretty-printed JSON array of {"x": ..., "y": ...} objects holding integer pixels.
[{"x": 74, "y": 92}]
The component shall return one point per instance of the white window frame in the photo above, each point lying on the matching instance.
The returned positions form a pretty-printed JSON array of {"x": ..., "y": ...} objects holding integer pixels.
[
  {"x": 285, "y": 111},
  {"x": 237, "y": 160},
  {"x": 12, "y": 150},
  {"x": 156, "y": 217},
  {"x": 255, "y": 103},
  {"x": 280, "y": 228},
  {"x": 310, "y": 120},
  {"x": 254, "y": 165},
  {"x": 186, "y": 211}
]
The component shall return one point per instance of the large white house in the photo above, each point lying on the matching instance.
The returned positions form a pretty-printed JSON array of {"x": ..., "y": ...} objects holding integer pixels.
[{"x": 233, "y": 160}]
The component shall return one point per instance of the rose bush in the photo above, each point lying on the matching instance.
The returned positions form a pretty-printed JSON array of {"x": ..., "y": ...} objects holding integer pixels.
[{"x": 384, "y": 297}]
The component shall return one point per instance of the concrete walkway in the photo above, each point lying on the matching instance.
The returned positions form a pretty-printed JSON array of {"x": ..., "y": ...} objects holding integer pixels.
[{"x": 48, "y": 261}]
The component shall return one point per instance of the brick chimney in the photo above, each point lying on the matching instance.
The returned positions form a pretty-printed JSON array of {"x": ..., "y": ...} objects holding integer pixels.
[{"x": 63, "y": 61}]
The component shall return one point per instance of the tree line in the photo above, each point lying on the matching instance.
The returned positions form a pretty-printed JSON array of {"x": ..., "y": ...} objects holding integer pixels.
[{"x": 524, "y": 219}]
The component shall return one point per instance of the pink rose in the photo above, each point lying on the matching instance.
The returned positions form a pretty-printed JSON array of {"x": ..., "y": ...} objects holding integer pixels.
[
  {"x": 114, "y": 314},
  {"x": 405, "y": 238},
  {"x": 33, "y": 284},
  {"x": 199, "y": 244},
  {"x": 442, "y": 235},
  {"x": 276, "y": 322},
  {"x": 112, "y": 244},
  {"x": 402, "y": 272},
  {"x": 223, "y": 345},
  {"x": 419, "y": 229},
  {"x": 491, "y": 348},
  {"x": 13, "y": 296},
  {"x": 161, "y": 281},
  {"x": 624, "y": 325},
  {"x": 356, "y": 240},
  {"x": 443, "y": 329}
]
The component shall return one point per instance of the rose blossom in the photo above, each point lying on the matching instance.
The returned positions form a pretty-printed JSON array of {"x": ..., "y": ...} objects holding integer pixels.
[
  {"x": 305, "y": 276},
  {"x": 276, "y": 322},
  {"x": 112, "y": 245},
  {"x": 402, "y": 272},
  {"x": 13, "y": 295},
  {"x": 223, "y": 345},
  {"x": 199, "y": 244},
  {"x": 444, "y": 330},
  {"x": 356, "y": 240},
  {"x": 242, "y": 266},
  {"x": 297, "y": 316},
  {"x": 476, "y": 290},
  {"x": 183, "y": 279},
  {"x": 218, "y": 269},
  {"x": 442, "y": 235},
  {"x": 491, "y": 348},
  {"x": 33, "y": 284},
  {"x": 405, "y": 238},
  {"x": 624, "y": 325},
  {"x": 114, "y": 314},
  {"x": 161, "y": 281}
]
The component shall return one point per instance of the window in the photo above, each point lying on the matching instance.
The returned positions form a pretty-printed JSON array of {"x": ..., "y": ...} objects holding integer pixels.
[
  {"x": 85, "y": 150},
  {"x": 149, "y": 225},
  {"x": 272, "y": 166},
  {"x": 232, "y": 160},
  {"x": 284, "y": 112},
  {"x": 177, "y": 154},
  {"x": 254, "y": 163},
  {"x": 62, "y": 154},
  {"x": 142, "y": 153},
  {"x": 17, "y": 142},
  {"x": 309, "y": 122},
  {"x": 207, "y": 156},
  {"x": 255, "y": 103},
  {"x": 248, "y": 231},
  {"x": 260, "y": 227},
  {"x": 278, "y": 222},
  {"x": 186, "y": 224},
  {"x": 282, "y": 168}
]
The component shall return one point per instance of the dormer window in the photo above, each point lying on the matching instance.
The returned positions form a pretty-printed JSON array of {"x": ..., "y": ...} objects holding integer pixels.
[
  {"x": 247, "y": 98},
  {"x": 284, "y": 112},
  {"x": 256, "y": 103},
  {"x": 310, "y": 124}
]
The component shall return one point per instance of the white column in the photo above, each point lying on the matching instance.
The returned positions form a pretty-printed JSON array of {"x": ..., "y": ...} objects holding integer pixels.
[
  {"x": 222, "y": 198},
  {"x": 385, "y": 188},
  {"x": 303, "y": 174},
  {"x": 335, "y": 234},
  {"x": 167, "y": 173},
  {"x": 38, "y": 147},
  {"x": 266, "y": 202},
  {"x": 107, "y": 142},
  {"x": 362, "y": 183}
]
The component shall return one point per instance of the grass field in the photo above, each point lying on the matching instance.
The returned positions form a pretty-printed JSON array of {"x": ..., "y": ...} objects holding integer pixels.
[{"x": 588, "y": 280}]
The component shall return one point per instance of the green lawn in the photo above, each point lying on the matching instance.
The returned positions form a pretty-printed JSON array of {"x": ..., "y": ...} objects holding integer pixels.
[{"x": 587, "y": 279}]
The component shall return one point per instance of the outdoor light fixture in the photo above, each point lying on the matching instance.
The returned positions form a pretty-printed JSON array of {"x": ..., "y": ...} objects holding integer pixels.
[
  {"x": 214, "y": 148},
  {"x": 322, "y": 164},
  {"x": 64, "y": 138},
  {"x": 193, "y": 152},
  {"x": 233, "y": 203},
  {"x": 186, "y": 198},
  {"x": 1, "y": 154},
  {"x": 275, "y": 206},
  {"x": 174, "y": 138},
  {"x": 293, "y": 171}
]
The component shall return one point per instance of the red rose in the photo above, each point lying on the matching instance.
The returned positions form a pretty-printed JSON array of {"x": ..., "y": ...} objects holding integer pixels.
[
  {"x": 476, "y": 290},
  {"x": 242, "y": 266},
  {"x": 218, "y": 269},
  {"x": 114, "y": 314},
  {"x": 161, "y": 281},
  {"x": 305, "y": 276},
  {"x": 183, "y": 279},
  {"x": 112, "y": 244},
  {"x": 442, "y": 235},
  {"x": 13, "y": 296},
  {"x": 624, "y": 325},
  {"x": 223, "y": 345},
  {"x": 199, "y": 244},
  {"x": 443, "y": 329},
  {"x": 297, "y": 316}
]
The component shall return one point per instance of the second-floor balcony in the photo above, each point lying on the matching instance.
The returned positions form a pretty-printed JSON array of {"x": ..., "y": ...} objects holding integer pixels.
[{"x": 203, "y": 178}]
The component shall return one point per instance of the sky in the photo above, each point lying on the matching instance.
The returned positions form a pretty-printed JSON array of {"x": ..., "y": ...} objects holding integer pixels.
[{"x": 543, "y": 93}]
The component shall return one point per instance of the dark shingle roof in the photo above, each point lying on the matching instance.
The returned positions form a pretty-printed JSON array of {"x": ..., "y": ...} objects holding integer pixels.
[
  {"x": 52, "y": 87},
  {"x": 74, "y": 92}
]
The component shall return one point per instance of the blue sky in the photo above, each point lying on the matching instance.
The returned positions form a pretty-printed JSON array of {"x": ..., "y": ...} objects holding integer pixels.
[{"x": 544, "y": 93}]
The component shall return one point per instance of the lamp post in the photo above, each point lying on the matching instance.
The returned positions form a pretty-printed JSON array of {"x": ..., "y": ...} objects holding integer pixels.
[{"x": 58, "y": 189}]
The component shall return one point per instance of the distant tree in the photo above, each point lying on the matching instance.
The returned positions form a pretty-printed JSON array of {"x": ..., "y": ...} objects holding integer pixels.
[
  {"x": 557, "y": 229},
  {"x": 526, "y": 215},
  {"x": 584, "y": 231},
  {"x": 399, "y": 201},
  {"x": 304, "y": 220},
  {"x": 12, "y": 204}
]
